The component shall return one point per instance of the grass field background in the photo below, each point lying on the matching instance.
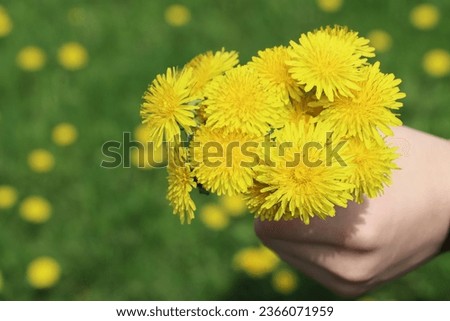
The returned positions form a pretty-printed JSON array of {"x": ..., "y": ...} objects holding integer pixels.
[{"x": 111, "y": 231}]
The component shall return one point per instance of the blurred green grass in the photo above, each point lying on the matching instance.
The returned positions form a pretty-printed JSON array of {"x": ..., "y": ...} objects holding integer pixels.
[{"x": 112, "y": 230}]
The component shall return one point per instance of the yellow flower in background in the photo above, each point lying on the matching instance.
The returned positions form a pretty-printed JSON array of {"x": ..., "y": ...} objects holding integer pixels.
[
  {"x": 5, "y": 23},
  {"x": 43, "y": 272},
  {"x": 64, "y": 134},
  {"x": 214, "y": 217},
  {"x": 35, "y": 209},
  {"x": 141, "y": 134},
  {"x": 373, "y": 164},
  {"x": 436, "y": 63},
  {"x": 370, "y": 111},
  {"x": 328, "y": 61},
  {"x": 41, "y": 161},
  {"x": 208, "y": 65},
  {"x": 308, "y": 186},
  {"x": 239, "y": 101},
  {"x": 31, "y": 58},
  {"x": 149, "y": 156},
  {"x": 234, "y": 205},
  {"x": 221, "y": 164},
  {"x": 8, "y": 196},
  {"x": 271, "y": 67},
  {"x": 329, "y": 5},
  {"x": 168, "y": 106},
  {"x": 424, "y": 16},
  {"x": 181, "y": 183},
  {"x": 255, "y": 261},
  {"x": 72, "y": 56},
  {"x": 380, "y": 40},
  {"x": 284, "y": 281},
  {"x": 177, "y": 15}
]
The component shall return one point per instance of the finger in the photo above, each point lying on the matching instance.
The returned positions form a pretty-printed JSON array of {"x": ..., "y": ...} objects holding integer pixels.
[
  {"x": 328, "y": 280},
  {"x": 340, "y": 230},
  {"x": 349, "y": 265}
]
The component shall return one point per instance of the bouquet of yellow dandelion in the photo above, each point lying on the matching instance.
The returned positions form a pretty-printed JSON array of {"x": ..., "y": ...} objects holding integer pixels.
[{"x": 298, "y": 130}]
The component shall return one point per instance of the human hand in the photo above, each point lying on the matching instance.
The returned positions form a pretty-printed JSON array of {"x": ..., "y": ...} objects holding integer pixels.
[{"x": 371, "y": 243}]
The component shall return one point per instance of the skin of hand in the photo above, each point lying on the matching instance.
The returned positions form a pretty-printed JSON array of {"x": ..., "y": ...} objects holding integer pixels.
[{"x": 368, "y": 244}]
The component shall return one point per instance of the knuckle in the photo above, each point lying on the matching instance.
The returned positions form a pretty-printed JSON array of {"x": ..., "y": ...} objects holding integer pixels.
[
  {"x": 356, "y": 276},
  {"x": 349, "y": 291},
  {"x": 355, "y": 272},
  {"x": 367, "y": 239}
]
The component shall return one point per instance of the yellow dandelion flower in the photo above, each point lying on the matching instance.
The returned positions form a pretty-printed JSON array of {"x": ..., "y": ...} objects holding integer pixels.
[
  {"x": 234, "y": 205},
  {"x": 41, "y": 161},
  {"x": 214, "y": 217},
  {"x": 369, "y": 110},
  {"x": 255, "y": 261},
  {"x": 5, "y": 23},
  {"x": 303, "y": 178},
  {"x": 201, "y": 114},
  {"x": 380, "y": 40},
  {"x": 436, "y": 63},
  {"x": 177, "y": 15},
  {"x": 328, "y": 61},
  {"x": 43, "y": 272},
  {"x": 64, "y": 134},
  {"x": 373, "y": 164},
  {"x": 209, "y": 65},
  {"x": 297, "y": 113},
  {"x": 223, "y": 162},
  {"x": 8, "y": 196},
  {"x": 359, "y": 44},
  {"x": 304, "y": 110},
  {"x": 239, "y": 101},
  {"x": 274, "y": 73},
  {"x": 31, "y": 58},
  {"x": 424, "y": 16},
  {"x": 329, "y": 5},
  {"x": 167, "y": 107},
  {"x": 181, "y": 183},
  {"x": 285, "y": 281},
  {"x": 256, "y": 198},
  {"x": 72, "y": 56},
  {"x": 35, "y": 209}
]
